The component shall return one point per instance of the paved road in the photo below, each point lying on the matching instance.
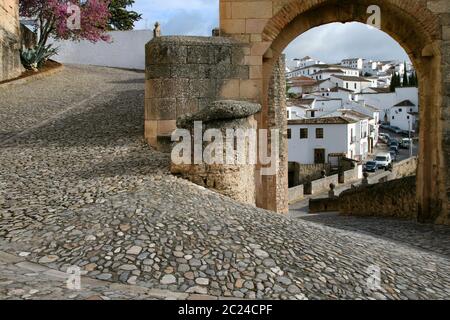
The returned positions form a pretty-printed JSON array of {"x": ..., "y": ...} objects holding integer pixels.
[
  {"x": 403, "y": 153},
  {"x": 79, "y": 187}
]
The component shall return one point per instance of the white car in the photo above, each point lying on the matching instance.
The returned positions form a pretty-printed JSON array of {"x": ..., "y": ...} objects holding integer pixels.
[{"x": 383, "y": 160}]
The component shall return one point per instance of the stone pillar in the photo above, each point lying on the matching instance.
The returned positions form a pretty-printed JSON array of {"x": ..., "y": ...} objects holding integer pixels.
[
  {"x": 275, "y": 195},
  {"x": 235, "y": 180},
  {"x": 186, "y": 74}
]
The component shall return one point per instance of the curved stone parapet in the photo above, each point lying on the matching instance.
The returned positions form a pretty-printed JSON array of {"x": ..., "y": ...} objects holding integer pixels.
[
  {"x": 236, "y": 180},
  {"x": 221, "y": 110}
]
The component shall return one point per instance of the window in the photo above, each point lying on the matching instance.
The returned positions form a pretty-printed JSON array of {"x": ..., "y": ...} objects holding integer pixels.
[
  {"x": 393, "y": 118},
  {"x": 289, "y": 133},
  {"x": 346, "y": 85},
  {"x": 410, "y": 110},
  {"x": 407, "y": 117},
  {"x": 304, "y": 133},
  {"x": 355, "y": 86},
  {"x": 288, "y": 115},
  {"x": 400, "y": 110},
  {"x": 319, "y": 133}
]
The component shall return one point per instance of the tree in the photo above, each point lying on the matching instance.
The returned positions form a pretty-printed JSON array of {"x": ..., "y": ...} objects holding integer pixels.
[
  {"x": 395, "y": 82},
  {"x": 121, "y": 18},
  {"x": 413, "y": 80},
  {"x": 405, "y": 76},
  {"x": 58, "y": 18}
]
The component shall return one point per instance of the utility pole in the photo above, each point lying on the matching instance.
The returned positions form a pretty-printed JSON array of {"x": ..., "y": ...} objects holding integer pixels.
[{"x": 410, "y": 140}]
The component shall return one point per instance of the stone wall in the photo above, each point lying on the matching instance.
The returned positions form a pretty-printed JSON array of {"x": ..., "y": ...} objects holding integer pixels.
[
  {"x": 393, "y": 199},
  {"x": 352, "y": 175},
  {"x": 405, "y": 168},
  {"x": 276, "y": 197},
  {"x": 321, "y": 185},
  {"x": 310, "y": 172},
  {"x": 296, "y": 194},
  {"x": 186, "y": 74},
  {"x": 10, "y": 65},
  {"x": 323, "y": 205}
]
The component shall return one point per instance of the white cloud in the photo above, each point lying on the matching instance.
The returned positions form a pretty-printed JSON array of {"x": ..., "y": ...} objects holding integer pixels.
[
  {"x": 337, "y": 41},
  {"x": 331, "y": 42}
]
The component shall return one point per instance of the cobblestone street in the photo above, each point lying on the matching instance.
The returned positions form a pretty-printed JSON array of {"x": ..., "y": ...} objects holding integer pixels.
[{"x": 80, "y": 187}]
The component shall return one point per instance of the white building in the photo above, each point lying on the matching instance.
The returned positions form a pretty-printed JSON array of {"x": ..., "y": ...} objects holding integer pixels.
[
  {"x": 354, "y": 63},
  {"x": 356, "y": 84},
  {"x": 324, "y": 85},
  {"x": 361, "y": 135},
  {"x": 310, "y": 141},
  {"x": 383, "y": 99},
  {"x": 404, "y": 115},
  {"x": 304, "y": 62},
  {"x": 374, "y": 119},
  {"x": 297, "y": 108},
  {"x": 350, "y": 71},
  {"x": 326, "y": 74},
  {"x": 307, "y": 70},
  {"x": 300, "y": 84}
]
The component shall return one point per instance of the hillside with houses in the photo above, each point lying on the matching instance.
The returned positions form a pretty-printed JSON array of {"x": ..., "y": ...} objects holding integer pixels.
[{"x": 341, "y": 109}]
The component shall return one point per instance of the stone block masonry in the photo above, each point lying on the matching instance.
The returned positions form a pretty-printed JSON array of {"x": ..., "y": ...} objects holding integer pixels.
[
  {"x": 393, "y": 199},
  {"x": 10, "y": 65},
  {"x": 186, "y": 74},
  {"x": 296, "y": 194}
]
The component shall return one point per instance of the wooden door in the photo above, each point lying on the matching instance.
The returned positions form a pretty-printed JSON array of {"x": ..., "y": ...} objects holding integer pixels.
[{"x": 319, "y": 156}]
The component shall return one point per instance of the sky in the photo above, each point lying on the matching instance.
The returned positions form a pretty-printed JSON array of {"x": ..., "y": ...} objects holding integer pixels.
[{"x": 330, "y": 43}]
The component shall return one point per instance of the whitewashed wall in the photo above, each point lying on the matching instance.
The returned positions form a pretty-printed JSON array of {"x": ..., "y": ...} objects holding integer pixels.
[
  {"x": 127, "y": 50},
  {"x": 336, "y": 140}
]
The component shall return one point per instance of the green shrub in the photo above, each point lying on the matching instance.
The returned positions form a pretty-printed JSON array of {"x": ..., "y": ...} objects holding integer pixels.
[{"x": 34, "y": 58}]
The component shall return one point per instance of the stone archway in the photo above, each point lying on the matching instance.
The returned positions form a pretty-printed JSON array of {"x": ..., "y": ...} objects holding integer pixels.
[
  {"x": 422, "y": 28},
  {"x": 185, "y": 74}
]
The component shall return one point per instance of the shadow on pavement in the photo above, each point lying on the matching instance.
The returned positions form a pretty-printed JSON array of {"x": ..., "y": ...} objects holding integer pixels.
[{"x": 428, "y": 237}]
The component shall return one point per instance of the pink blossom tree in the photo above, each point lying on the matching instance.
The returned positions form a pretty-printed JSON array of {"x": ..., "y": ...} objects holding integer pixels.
[{"x": 56, "y": 18}]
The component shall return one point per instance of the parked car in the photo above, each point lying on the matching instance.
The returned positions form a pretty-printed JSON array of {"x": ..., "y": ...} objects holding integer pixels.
[
  {"x": 385, "y": 135},
  {"x": 405, "y": 143},
  {"x": 393, "y": 149},
  {"x": 394, "y": 142},
  {"x": 371, "y": 166},
  {"x": 384, "y": 126},
  {"x": 405, "y": 133},
  {"x": 393, "y": 155},
  {"x": 396, "y": 130},
  {"x": 383, "y": 160}
]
